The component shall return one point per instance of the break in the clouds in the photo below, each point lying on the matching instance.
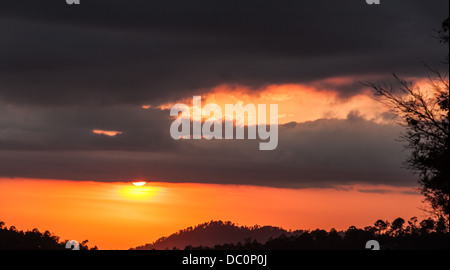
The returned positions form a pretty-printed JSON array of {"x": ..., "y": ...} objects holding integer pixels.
[{"x": 150, "y": 52}]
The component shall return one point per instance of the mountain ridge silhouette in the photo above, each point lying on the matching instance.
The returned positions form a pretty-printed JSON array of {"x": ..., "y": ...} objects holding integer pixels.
[{"x": 214, "y": 233}]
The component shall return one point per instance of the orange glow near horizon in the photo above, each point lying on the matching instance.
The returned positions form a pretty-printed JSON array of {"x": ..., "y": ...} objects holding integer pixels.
[{"x": 121, "y": 215}]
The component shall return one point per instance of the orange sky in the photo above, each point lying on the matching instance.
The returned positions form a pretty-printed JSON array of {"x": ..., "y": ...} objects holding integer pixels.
[{"x": 121, "y": 216}]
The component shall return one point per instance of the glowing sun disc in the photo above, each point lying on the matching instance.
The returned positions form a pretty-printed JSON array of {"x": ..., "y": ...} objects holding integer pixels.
[{"x": 139, "y": 184}]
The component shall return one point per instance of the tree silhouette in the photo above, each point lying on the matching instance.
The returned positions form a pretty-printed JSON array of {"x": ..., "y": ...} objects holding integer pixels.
[
  {"x": 381, "y": 226},
  {"x": 427, "y": 226},
  {"x": 397, "y": 226},
  {"x": 425, "y": 115},
  {"x": 427, "y": 234},
  {"x": 412, "y": 226}
]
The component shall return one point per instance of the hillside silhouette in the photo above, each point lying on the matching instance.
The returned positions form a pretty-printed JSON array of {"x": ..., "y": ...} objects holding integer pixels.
[
  {"x": 215, "y": 233},
  {"x": 428, "y": 234}
]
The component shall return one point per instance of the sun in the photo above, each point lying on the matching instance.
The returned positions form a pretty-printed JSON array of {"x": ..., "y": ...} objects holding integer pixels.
[{"x": 139, "y": 183}]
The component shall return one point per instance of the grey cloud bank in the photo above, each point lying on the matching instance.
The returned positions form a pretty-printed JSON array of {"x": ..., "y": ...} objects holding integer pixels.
[
  {"x": 148, "y": 52},
  {"x": 322, "y": 153},
  {"x": 66, "y": 70}
]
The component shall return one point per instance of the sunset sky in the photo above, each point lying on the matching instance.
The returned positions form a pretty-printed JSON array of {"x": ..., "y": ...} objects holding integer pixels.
[
  {"x": 86, "y": 92},
  {"x": 121, "y": 215}
]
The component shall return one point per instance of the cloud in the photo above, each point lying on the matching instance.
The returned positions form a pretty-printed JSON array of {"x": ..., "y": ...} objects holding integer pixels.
[
  {"x": 110, "y": 133},
  {"x": 389, "y": 190},
  {"x": 321, "y": 153},
  {"x": 68, "y": 128},
  {"x": 151, "y": 52},
  {"x": 68, "y": 70}
]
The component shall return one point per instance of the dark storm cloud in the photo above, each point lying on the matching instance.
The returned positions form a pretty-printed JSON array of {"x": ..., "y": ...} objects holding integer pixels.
[
  {"x": 66, "y": 70},
  {"x": 70, "y": 128},
  {"x": 386, "y": 191},
  {"x": 110, "y": 52},
  {"x": 322, "y": 153}
]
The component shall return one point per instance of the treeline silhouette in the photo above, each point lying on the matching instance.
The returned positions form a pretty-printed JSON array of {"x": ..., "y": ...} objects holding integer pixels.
[
  {"x": 428, "y": 234},
  {"x": 13, "y": 239}
]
